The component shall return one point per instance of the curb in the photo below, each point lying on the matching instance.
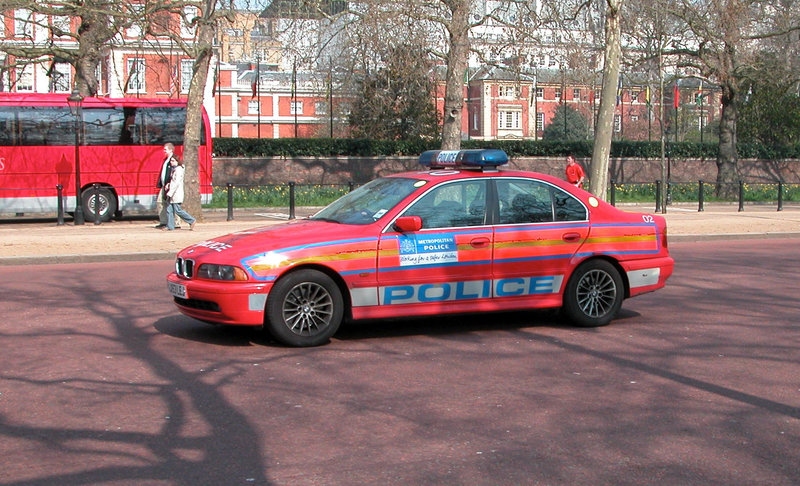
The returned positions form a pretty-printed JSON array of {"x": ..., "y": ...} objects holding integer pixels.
[
  {"x": 170, "y": 255},
  {"x": 730, "y": 236},
  {"x": 89, "y": 258}
]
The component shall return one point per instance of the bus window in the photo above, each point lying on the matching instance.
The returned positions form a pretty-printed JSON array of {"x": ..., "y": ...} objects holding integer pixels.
[
  {"x": 36, "y": 125},
  {"x": 160, "y": 125},
  {"x": 8, "y": 125},
  {"x": 104, "y": 126}
]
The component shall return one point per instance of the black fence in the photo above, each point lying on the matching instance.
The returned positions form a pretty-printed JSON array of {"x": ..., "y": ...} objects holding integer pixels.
[{"x": 292, "y": 195}]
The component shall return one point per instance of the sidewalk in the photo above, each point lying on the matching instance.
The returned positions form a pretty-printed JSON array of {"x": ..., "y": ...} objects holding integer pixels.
[{"x": 23, "y": 243}]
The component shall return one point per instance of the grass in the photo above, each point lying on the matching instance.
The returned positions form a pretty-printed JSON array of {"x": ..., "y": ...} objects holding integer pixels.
[
  {"x": 690, "y": 192},
  {"x": 278, "y": 195}
]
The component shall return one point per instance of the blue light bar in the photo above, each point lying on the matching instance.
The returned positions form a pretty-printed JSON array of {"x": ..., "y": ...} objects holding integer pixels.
[{"x": 475, "y": 158}]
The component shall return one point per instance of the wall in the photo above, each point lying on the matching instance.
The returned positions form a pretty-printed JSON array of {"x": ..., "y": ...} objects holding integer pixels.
[{"x": 341, "y": 170}]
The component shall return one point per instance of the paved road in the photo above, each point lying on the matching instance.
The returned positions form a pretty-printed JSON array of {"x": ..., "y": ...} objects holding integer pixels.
[{"x": 102, "y": 382}]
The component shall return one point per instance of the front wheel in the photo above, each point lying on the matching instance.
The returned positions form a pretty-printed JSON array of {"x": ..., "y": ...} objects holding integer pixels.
[
  {"x": 594, "y": 294},
  {"x": 304, "y": 308},
  {"x": 107, "y": 203}
]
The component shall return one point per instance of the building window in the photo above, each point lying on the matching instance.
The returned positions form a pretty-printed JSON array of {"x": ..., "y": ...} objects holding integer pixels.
[
  {"x": 321, "y": 108},
  {"x": 137, "y": 12},
  {"x": 539, "y": 93},
  {"x": 558, "y": 94},
  {"x": 617, "y": 123},
  {"x": 475, "y": 121},
  {"x": 507, "y": 91},
  {"x": 576, "y": 94},
  {"x": 634, "y": 118},
  {"x": 187, "y": 67},
  {"x": 296, "y": 108},
  {"x": 23, "y": 23},
  {"x": 252, "y": 107},
  {"x": 60, "y": 81},
  {"x": 539, "y": 122},
  {"x": 187, "y": 27},
  {"x": 509, "y": 120},
  {"x": 25, "y": 78},
  {"x": 136, "y": 75},
  {"x": 634, "y": 96},
  {"x": 61, "y": 25},
  {"x": 98, "y": 73}
]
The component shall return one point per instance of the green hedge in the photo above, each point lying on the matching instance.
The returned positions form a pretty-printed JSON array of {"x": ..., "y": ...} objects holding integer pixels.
[
  {"x": 318, "y": 147},
  {"x": 324, "y": 147}
]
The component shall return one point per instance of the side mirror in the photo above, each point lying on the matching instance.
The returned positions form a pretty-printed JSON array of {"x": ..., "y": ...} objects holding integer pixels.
[{"x": 408, "y": 224}]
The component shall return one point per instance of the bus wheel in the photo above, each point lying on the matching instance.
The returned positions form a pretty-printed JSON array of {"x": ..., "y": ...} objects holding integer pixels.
[{"x": 106, "y": 198}]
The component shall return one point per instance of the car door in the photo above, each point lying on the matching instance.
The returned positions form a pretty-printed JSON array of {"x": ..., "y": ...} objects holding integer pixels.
[
  {"x": 447, "y": 262},
  {"x": 539, "y": 228}
]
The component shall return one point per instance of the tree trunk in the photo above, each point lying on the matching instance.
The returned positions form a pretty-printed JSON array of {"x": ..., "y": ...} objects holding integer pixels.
[
  {"x": 456, "y": 69},
  {"x": 728, "y": 159},
  {"x": 93, "y": 33},
  {"x": 598, "y": 174},
  {"x": 194, "y": 112}
]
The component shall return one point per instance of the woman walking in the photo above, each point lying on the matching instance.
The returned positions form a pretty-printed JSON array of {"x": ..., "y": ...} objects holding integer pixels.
[{"x": 175, "y": 196}]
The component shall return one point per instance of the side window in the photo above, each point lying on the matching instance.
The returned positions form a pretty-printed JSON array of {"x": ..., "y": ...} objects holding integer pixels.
[
  {"x": 567, "y": 207},
  {"x": 524, "y": 201},
  {"x": 455, "y": 204},
  {"x": 106, "y": 126}
]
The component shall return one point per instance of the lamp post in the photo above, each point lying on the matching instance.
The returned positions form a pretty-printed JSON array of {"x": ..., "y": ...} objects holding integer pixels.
[{"x": 75, "y": 101}]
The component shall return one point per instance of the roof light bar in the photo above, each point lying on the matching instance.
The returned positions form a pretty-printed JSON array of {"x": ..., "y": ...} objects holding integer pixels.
[{"x": 474, "y": 158}]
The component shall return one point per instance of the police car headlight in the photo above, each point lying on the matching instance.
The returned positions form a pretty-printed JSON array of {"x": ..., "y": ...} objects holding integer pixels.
[{"x": 221, "y": 272}]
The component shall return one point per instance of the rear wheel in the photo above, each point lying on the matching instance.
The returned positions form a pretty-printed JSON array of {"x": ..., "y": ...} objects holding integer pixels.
[
  {"x": 107, "y": 203},
  {"x": 594, "y": 294},
  {"x": 304, "y": 308}
]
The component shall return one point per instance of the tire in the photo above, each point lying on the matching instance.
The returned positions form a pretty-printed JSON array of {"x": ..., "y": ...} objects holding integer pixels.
[
  {"x": 304, "y": 308},
  {"x": 594, "y": 294},
  {"x": 108, "y": 203}
]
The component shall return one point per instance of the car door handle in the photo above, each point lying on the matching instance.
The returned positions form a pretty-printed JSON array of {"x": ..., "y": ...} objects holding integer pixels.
[
  {"x": 571, "y": 237},
  {"x": 479, "y": 242}
]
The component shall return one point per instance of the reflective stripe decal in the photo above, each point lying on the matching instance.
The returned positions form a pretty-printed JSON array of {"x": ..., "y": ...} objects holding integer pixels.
[{"x": 454, "y": 291}]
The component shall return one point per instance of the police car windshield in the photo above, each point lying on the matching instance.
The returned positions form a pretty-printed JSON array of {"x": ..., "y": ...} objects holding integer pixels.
[{"x": 369, "y": 202}]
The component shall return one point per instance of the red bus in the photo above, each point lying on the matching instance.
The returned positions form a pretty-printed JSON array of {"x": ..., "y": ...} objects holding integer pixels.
[{"x": 120, "y": 150}]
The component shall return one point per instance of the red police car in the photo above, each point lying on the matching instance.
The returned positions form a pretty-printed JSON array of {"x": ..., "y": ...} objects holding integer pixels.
[{"x": 460, "y": 236}]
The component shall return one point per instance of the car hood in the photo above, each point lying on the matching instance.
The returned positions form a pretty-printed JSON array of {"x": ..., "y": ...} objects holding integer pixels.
[{"x": 293, "y": 235}]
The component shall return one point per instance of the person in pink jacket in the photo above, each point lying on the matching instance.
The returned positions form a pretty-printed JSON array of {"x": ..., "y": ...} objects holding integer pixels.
[{"x": 175, "y": 196}]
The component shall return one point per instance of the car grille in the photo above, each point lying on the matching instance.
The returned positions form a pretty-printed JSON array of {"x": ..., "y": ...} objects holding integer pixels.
[
  {"x": 184, "y": 267},
  {"x": 198, "y": 304}
]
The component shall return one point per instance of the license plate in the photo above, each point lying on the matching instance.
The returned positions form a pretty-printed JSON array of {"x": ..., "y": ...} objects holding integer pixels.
[{"x": 177, "y": 290}]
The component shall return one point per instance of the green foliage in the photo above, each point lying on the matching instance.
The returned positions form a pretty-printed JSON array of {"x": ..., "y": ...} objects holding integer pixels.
[
  {"x": 325, "y": 147},
  {"x": 319, "y": 147},
  {"x": 395, "y": 102},
  {"x": 568, "y": 124},
  {"x": 769, "y": 111}
]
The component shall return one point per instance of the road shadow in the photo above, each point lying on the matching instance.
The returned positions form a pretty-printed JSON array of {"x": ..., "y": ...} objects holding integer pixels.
[
  {"x": 453, "y": 326},
  {"x": 186, "y": 328}
]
